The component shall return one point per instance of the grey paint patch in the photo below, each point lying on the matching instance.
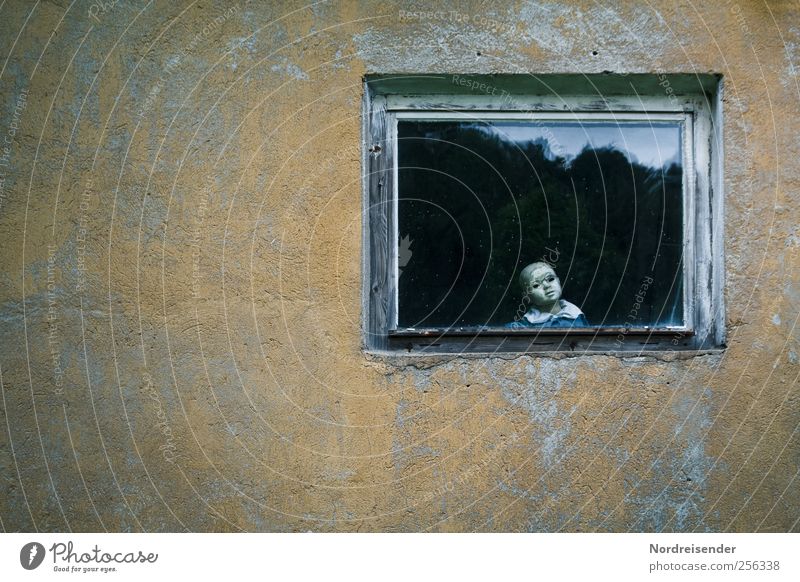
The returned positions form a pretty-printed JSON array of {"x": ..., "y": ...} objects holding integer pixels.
[
  {"x": 537, "y": 395},
  {"x": 291, "y": 70},
  {"x": 675, "y": 485}
]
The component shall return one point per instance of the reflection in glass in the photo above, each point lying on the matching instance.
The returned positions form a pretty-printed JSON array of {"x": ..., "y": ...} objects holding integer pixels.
[{"x": 600, "y": 202}]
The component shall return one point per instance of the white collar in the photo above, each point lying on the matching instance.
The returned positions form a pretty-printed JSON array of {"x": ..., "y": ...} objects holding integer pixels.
[{"x": 568, "y": 311}]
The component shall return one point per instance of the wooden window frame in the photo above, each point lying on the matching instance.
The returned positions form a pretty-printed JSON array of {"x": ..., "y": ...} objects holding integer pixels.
[{"x": 694, "y": 100}]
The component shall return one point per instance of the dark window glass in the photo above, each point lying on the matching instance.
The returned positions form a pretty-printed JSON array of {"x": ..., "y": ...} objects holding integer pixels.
[{"x": 478, "y": 201}]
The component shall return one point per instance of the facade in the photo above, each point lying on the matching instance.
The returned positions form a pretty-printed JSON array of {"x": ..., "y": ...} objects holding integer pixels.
[{"x": 182, "y": 301}]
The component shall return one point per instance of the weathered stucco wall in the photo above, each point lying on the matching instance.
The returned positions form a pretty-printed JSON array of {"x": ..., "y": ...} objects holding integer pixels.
[{"x": 180, "y": 339}]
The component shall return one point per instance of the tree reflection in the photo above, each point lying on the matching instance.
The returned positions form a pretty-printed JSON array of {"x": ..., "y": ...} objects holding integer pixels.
[{"x": 479, "y": 206}]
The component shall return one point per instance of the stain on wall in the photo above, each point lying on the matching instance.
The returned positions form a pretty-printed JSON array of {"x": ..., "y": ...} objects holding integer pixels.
[{"x": 180, "y": 292}]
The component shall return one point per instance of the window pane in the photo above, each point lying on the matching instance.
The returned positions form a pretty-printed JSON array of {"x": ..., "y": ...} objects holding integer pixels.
[{"x": 600, "y": 201}]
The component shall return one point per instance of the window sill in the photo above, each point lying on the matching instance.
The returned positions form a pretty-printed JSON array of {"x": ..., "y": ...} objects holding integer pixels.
[
  {"x": 423, "y": 360},
  {"x": 497, "y": 340},
  {"x": 539, "y": 331}
]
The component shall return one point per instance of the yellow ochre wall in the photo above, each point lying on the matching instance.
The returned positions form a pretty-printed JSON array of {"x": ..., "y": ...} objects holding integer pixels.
[{"x": 180, "y": 292}]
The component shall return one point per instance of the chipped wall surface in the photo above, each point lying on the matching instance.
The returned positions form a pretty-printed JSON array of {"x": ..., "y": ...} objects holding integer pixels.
[{"x": 180, "y": 294}]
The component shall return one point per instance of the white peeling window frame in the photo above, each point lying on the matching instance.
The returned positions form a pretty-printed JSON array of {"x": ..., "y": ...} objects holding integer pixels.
[{"x": 692, "y": 100}]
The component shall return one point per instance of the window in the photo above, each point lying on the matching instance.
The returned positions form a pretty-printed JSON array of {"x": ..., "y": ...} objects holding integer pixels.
[{"x": 555, "y": 213}]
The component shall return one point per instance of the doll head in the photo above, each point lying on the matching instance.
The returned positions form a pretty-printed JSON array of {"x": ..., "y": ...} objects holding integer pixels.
[{"x": 541, "y": 285}]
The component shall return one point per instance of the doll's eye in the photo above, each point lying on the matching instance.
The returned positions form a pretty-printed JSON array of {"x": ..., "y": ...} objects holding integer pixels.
[{"x": 536, "y": 285}]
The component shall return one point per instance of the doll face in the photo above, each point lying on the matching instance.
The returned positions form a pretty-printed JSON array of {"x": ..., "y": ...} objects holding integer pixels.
[{"x": 543, "y": 287}]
